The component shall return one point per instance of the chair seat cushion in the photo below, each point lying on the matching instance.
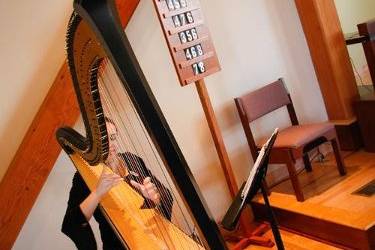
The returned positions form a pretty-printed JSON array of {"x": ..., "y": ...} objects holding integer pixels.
[{"x": 300, "y": 135}]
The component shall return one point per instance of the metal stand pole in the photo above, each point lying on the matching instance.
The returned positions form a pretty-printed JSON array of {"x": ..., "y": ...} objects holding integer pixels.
[{"x": 273, "y": 221}]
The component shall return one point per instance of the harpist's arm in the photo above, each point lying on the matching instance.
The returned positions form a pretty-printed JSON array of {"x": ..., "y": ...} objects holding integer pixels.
[
  {"x": 106, "y": 181},
  {"x": 75, "y": 224}
]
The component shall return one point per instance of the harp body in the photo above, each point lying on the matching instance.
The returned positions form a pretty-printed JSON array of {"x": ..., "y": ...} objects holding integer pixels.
[
  {"x": 95, "y": 35},
  {"x": 159, "y": 233}
]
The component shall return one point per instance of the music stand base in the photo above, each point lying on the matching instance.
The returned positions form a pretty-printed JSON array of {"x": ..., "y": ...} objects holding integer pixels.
[
  {"x": 242, "y": 239},
  {"x": 256, "y": 238},
  {"x": 247, "y": 192}
]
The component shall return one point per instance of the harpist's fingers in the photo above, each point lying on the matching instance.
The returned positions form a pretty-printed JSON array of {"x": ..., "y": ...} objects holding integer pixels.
[
  {"x": 156, "y": 198},
  {"x": 147, "y": 180},
  {"x": 153, "y": 195},
  {"x": 105, "y": 170},
  {"x": 138, "y": 186},
  {"x": 116, "y": 181},
  {"x": 114, "y": 176},
  {"x": 106, "y": 182},
  {"x": 151, "y": 192},
  {"x": 149, "y": 186},
  {"x": 135, "y": 184}
]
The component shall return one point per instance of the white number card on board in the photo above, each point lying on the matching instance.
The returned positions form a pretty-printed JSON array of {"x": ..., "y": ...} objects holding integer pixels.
[{"x": 188, "y": 39}]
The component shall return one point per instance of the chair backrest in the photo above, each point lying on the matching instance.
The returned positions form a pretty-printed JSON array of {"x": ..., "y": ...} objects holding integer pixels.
[
  {"x": 255, "y": 104},
  {"x": 264, "y": 100}
]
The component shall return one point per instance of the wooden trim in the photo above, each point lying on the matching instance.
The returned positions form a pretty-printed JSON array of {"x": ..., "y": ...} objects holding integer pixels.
[
  {"x": 126, "y": 8},
  {"x": 39, "y": 150},
  {"x": 322, "y": 230},
  {"x": 330, "y": 57}
]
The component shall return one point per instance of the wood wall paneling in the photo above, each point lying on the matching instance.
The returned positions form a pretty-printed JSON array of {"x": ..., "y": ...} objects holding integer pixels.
[
  {"x": 39, "y": 150},
  {"x": 330, "y": 57},
  {"x": 321, "y": 230}
]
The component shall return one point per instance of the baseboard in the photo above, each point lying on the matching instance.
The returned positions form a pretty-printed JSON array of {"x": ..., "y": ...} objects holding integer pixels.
[{"x": 348, "y": 134}]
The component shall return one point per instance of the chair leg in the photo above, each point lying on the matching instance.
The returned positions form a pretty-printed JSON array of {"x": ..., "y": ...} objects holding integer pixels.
[
  {"x": 294, "y": 179},
  {"x": 339, "y": 160},
  {"x": 306, "y": 161},
  {"x": 265, "y": 186}
]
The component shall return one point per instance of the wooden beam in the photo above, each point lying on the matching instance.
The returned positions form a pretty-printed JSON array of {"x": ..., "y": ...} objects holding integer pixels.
[
  {"x": 329, "y": 54},
  {"x": 39, "y": 149},
  {"x": 126, "y": 9}
]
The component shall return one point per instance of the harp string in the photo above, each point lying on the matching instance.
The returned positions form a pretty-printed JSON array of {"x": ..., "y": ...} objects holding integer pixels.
[
  {"x": 126, "y": 145},
  {"x": 110, "y": 74},
  {"x": 159, "y": 163},
  {"x": 169, "y": 202},
  {"x": 128, "y": 121},
  {"x": 122, "y": 146},
  {"x": 129, "y": 157},
  {"x": 166, "y": 200}
]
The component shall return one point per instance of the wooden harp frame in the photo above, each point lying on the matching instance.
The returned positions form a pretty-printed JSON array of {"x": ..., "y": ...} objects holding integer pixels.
[{"x": 102, "y": 18}]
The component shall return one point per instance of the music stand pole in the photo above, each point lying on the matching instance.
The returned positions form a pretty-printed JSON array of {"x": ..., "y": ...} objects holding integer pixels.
[{"x": 273, "y": 221}]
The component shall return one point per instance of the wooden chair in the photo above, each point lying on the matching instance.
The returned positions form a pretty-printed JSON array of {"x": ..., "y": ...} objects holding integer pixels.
[{"x": 293, "y": 142}]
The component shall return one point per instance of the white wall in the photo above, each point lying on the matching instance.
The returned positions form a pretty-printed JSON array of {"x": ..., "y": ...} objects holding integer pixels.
[
  {"x": 41, "y": 230},
  {"x": 257, "y": 42},
  {"x": 352, "y": 13},
  {"x": 32, "y": 51},
  {"x": 42, "y": 227}
]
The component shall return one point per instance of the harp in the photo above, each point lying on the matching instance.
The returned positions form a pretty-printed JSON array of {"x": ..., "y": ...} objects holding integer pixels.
[{"x": 97, "y": 47}]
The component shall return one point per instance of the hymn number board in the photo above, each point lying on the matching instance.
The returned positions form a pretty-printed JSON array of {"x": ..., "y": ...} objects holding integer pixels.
[{"x": 188, "y": 39}]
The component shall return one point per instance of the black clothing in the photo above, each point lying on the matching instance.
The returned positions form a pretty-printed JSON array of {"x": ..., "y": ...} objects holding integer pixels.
[{"x": 75, "y": 225}]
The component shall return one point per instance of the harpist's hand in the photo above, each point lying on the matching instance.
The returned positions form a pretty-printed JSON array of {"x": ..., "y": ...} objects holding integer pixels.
[
  {"x": 148, "y": 190},
  {"x": 106, "y": 181}
]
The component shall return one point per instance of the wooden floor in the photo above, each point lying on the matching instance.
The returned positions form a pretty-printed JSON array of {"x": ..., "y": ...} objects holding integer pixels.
[{"x": 329, "y": 196}]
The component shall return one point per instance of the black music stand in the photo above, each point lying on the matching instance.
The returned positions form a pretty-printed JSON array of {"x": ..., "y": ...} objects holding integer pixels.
[{"x": 250, "y": 188}]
